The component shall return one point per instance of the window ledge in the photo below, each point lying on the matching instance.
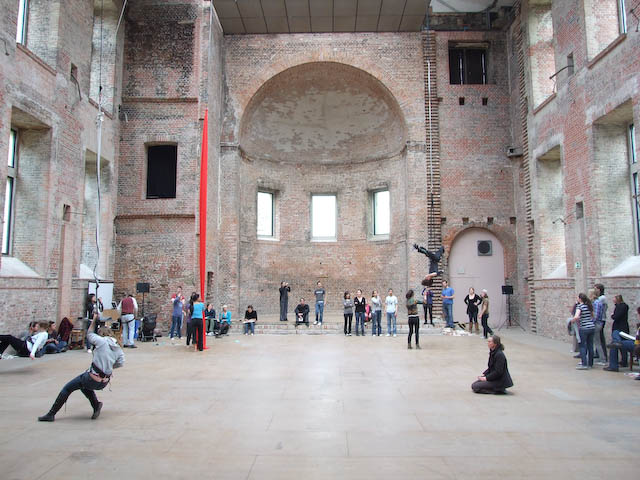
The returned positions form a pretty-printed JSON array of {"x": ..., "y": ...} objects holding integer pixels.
[
  {"x": 36, "y": 58},
  {"x": 547, "y": 101},
  {"x": 268, "y": 239},
  {"x": 12, "y": 267},
  {"x": 621, "y": 38},
  {"x": 378, "y": 238},
  {"x": 106, "y": 113},
  {"x": 324, "y": 240}
]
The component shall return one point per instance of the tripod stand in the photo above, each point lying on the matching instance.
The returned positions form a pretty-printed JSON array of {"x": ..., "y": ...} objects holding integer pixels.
[{"x": 508, "y": 291}]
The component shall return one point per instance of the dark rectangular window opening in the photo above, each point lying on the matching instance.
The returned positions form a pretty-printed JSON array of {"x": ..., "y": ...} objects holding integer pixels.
[
  {"x": 461, "y": 100},
  {"x": 570, "y": 68},
  {"x": 579, "y": 210},
  {"x": 467, "y": 66},
  {"x": 485, "y": 101},
  {"x": 162, "y": 162}
]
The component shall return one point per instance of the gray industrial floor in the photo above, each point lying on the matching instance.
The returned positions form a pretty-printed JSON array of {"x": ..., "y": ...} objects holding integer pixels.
[{"x": 323, "y": 406}]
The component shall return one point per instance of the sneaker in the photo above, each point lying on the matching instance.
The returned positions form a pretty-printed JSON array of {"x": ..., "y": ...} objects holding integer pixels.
[
  {"x": 582, "y": 367},
  {"x": 395, "y": 335},
  {"x": 409, "y": 347},
  {"x": 607, "y": 369},
  {"x": 418, "y": 347},
  {"x": 315, "y": 323},
  {"x": 348, "y": 334},
  {"x": 89, "y": 350},
  {"x": 388, "y": 334},
  {"x": 601, "y": 364},
  {"x": 252, "y": 334}
]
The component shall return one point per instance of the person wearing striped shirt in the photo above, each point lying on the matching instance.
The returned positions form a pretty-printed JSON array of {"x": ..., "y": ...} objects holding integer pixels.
[{"x": 587, "y": 328}]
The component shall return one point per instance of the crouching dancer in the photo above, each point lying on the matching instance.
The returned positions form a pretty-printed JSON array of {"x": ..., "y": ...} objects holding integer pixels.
[
  {"x": 107, "y": 355},
  {"x": 496, "y": 378}
]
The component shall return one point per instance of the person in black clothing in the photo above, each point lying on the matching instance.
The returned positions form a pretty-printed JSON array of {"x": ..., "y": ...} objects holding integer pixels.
[
  {"x": 472, "y": 300},
  {"x": 284, "y": 300},
  {"x": 191, "y": 334},
  {"x": 427, "y": 296},
  {"x": 620, "y": 319},
  {"x": 414, "y": 319},
  {"x": 210, "y": 316},
  {"x": 302, "y": 313},
  {"x": 496, "y": 378},
  {"x": 434, "y": 259}
]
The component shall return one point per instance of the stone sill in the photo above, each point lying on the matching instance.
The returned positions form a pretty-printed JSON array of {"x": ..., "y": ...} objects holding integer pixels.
[
  {"x": 547, "y": 101},
  {"x": 159, "y": 100},
  {"x": 154, "y": 215},
  {"x": 621, "y": 38},
  {"x": 36, "y": 58},
  {"x": 109, "y": 115}
]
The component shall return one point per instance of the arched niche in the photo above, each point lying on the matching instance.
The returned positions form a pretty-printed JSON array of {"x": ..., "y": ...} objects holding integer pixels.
[{"x": 322, "y": 112}]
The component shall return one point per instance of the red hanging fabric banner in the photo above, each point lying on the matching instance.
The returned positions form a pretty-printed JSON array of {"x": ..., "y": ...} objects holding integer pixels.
[{"x": 203, "y": 217}]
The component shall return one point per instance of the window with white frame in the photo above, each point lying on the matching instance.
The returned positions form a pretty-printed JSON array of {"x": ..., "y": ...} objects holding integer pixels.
[
  {"x": 323, "y": 217},
  {"x": 9, "y": 192},
  {"x": 634, "y": 170},
  {"x": 23, "y": 15},
  {"x": 381, "y": 214},
  {"x": 265, "y": 214}
]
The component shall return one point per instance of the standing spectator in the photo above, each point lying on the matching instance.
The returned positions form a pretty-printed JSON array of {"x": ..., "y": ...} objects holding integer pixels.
[
  {"x": 427, "y": 296},
  {"x": 414, "y": 318},
  {"x": 250, "y": 319},
  {"x": 599, "y": 302},
  {"x": 360, "y": 304},
  {"x": 225, "y": 321},
  {"x": 284, "y": 300},
  {"x": 302, "y": 313},
  {"x": 448, "y": 295},
  {"x": 319, "y": 292},
  {"x": 348, "y": 313},
  {"x": 376, "y": 313},
  {"x": 472, "y": 300},
  {"x": 496, "y": 378},
  {"x": 391, "y": 304},
  {"x": 197, "y": 321},
  {"x": 177, "y": 302},
  {"x": 584, "y": 315},
  {"x": 128, "y": 308},
  {"x": 620, "y": 319},
  {"x": 190, "y": 335},
  {"x": 210, "y": 316},
  {"x": 484, "y": 315},
  {"x": 29, "y": 347}
]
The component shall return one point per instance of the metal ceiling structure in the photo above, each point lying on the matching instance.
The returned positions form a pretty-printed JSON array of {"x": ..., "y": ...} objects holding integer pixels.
[{"x": 307, "y": 16}]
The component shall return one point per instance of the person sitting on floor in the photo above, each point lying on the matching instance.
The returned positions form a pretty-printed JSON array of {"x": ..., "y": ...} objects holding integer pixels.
[
  {"x": 496, "y": 378},
  {"x": 53, "y": 343},
  {"x": 302, "y": 313},
  {"x": 30, "y": 347},
  {"x": 225, "y": 322}
]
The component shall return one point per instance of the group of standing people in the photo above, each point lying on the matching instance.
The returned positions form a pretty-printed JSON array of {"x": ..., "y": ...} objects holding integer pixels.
[
  {"x": 588, "y": 325},
  {"x": 197, "y": 315}
]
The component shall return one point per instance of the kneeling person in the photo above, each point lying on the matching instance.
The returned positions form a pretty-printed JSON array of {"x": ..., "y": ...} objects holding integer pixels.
[{"x": 496, "y": 378}]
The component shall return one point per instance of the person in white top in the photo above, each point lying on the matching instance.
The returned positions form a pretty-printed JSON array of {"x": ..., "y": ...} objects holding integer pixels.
[
  {"x": 30, "y": 346},
  {"x": 391, "y": 303}
]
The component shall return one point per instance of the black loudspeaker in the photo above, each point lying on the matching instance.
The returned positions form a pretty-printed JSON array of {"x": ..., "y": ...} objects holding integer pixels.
[
  {"x": 142, "y": 287},
  {"x": 507, "y": 289}
]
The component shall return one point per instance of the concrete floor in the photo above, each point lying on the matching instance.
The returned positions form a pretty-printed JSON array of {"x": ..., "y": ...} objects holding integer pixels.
[{"x": 323, "y": 406}]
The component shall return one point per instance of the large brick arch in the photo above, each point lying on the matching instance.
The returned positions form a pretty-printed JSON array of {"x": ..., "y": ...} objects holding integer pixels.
[{"x": 322, "y": 109}]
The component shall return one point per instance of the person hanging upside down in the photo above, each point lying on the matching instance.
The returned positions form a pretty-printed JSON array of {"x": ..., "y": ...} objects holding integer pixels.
[{"x": 434, "y": 259}]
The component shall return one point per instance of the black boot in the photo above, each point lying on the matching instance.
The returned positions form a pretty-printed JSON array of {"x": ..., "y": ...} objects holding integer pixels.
[
  {"x": 96, "y": 411},
  {"x": 57, "y": 405}
]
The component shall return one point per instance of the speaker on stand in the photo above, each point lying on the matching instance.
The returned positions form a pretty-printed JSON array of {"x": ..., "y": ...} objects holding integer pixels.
[{"x": 142, "y": 288}]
